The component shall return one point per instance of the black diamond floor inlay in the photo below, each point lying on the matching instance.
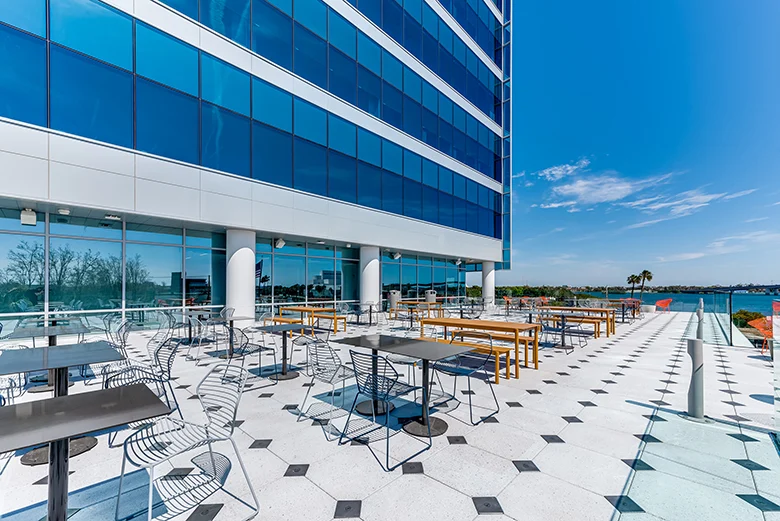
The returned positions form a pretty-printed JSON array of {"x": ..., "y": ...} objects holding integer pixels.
[
  {"x": 659, "y": 402},
  {"x": 571, "y": 419},
  {"x": 588, "y": 404},
  {"x": 526, "y": 466},
  {"x": 413, "y": 467},
  {"x": 533, "y": 391},
  {"x": 624, "y": 504},
  {"x": 648, "y": 438},
  {"x": 290, "y": 407},
  {"x": 205, "y": 512},
  {"x": 734, "y": 404},
  {"x": 260, "y": 444},
  {"x": 347, "y": 509},
  {"x": 637, "y": 464},
  {"x": 552, "y": 438},
  {"x": 562, "y": 374},
  {"x": 760, "y": 502},
  {"x": 467, "y": 392},
  {"x": 550, "y": 382},
  {"x": 45, "y": 479},
  {"x": 487, "y": 505},
  {"x": 296, "y": 471},
  {"x": 599, "y": 391},
  {"x": 514, "y": 404},
  {"x": 749, "y": 464},
  {"x": 489, "y": 419},
  {"x": 737, "y": 418},
  {"x": 265, "y": 395},
  {"x": 742, "y": 437},
  {"x": 457, "y": 440},
  {"x": 654, "y": 418},
  {"x": 178, "y": 473}
]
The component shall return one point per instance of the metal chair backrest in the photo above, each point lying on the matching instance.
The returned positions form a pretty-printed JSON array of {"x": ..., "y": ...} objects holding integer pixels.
[
  {"x": 220, "y": 393},
  {"x": 122, "y": 333},
  {"x": 227, "y": 312},
  {"x": 240, "y": 339},
  {"x": 163, "y": 358},
  {"x": 322, "y": 357},
  {"x": 478, "y": 359},
  {"x": 369, "y": 382}
]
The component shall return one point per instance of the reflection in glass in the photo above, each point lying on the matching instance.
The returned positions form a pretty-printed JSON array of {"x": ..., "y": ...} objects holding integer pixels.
[
  {"x": 263, "y": 275},
  {"x": 440, "y": 282},
  {"x": 452, "y": 281},
  {"x": 289, "y": 278},
  {"x": 391, "y": 278},
  {"x": 84, "y": 274},
  {"x": 205, "y": 277},
  {"x": 21, "y": 273},
  {"x": 149, "y": 233},
  {"x": 321, "y": 280},
  {"x": 205, "y": 239},
  {"x": 83, "y": 227},
  {"x": 348, "y": 288},
  {"x": 152, "y": 276},
  {"x": 409, "y": 281},
  {"x": 424, "y": 279},
  {"x": 10, "y": 220}
]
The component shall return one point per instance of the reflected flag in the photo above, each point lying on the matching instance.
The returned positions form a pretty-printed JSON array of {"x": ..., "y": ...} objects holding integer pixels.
[{"x": 259, "y": 269}]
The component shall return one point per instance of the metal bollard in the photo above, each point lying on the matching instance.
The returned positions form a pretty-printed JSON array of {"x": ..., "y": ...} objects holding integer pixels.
[
  {"x": 696, "y": 388},
  {"x": 700, "y": 325}
]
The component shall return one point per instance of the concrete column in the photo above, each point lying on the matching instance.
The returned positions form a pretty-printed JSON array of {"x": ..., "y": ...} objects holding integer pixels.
[
  {"x": 489, "y": 282},
  {"x": 240, "y": 273},
  {"x": 369, "y": 274}
]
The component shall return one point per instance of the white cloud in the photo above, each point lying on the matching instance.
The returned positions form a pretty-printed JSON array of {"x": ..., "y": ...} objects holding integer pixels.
[
  {"x": 776, "y": 204},
  {"x": 682, "y": 257},
  {"x": 528, "y": 184},
  {"x": 573, "y": 210},
  {"x": 678, "y": 205},
  {"x": 739, "y": 194},
  {"x": 519, "y": 175},
  {"x": 757, "y": 219},
  {"x": 563, "y": 204},
  {"x": 605, "y": 188},
  {"x": 558, "y": 172},
  {"x": 726, "y": 245}
]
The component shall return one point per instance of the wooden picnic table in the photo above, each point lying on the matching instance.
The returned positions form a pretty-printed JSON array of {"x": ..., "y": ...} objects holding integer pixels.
[
  {"x": 313, "y": 310},
  {"x": 437, "y": 307},
  {"x": 607, "y": 313},
  {"x": 513, "y": 328}
]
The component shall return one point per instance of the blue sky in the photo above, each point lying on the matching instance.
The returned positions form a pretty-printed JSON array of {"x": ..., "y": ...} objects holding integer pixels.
[{"x": 646, "y": 136}]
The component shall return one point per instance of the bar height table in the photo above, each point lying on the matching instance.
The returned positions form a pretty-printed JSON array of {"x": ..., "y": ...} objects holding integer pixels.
[
  {"x": 229, "y": 321},
  {"x": 284, "y": 329},
  {"x": 55, "y": 420}
]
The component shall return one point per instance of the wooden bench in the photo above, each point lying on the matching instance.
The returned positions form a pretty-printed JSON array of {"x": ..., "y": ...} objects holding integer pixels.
[
  {"x": 331, "y": 316},
  {"x": 483, "y": 348},
  {"x": 593, "y": 321},
  {"x": 501, "y": 337},
  {"x": 284, "y": 320}
]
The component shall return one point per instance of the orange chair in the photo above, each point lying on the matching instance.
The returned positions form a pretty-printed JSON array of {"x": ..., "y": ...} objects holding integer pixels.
[
  {"x": 764, "y": 326},
  {"x": 663, "y": 305}
]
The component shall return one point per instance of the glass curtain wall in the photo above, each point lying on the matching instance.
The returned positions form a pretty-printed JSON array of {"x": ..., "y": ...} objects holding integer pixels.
[{"x": 413, "y": 275}]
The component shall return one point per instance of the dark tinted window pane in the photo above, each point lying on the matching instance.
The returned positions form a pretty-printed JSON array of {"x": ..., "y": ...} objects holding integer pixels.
[
  {"x": 459, "y": 213},
  {"x": 166, "y": 122},
  {"x": 445, "y": 180},
  {"x": 412, "y": 36},
  {"x": 342, "y": 34},
  {"x": 412, "y": 166},
  {"x": 392, "y": 20},
  {"x": 412, "y": 118},
  {"x": 165, "y": 59},
  {"x": 320, "y": 282},
  {"x": 289, "y": 278},
  {"x": 392, "y": 69},
  {"x": 369, "y": 185},
  {"x": 225, "y": 142},
  {"x": 342, "y": 180},
  {"x": 85, "y": 227},
  {"x": 369, "y": 52},
  {"x": 342, "y": 75},
  {"x": 311, "y": 57},
  {"x": 272, "y": 34},
  {"x": 272, "y": 153},
  {"x": 430, "y": 203},
  {"x": 92, "y": 27},
  {"x": 311, "y": 122},
  {"x": 392, "y": 193},
  {"x": 272, "y": 105},
  {"x": 22, "y": 77},
  {"x": 91, "y": 99},
  {"x": 313, "y": 15},
  {"x": 369, "y": 147},
  {"x": 369, "y": 91},
  {"x": 284, "y": 5},
  {"x": 29, "y": 15},
  {"x": 151, "y": 233},
  {"x": 224, "y": 85},
  {"x": 392, "y": 105},
  {"x": 153, "y": 275},
  {"x": 372, "y": 9},
  {"x": 392, "y": 157},
  {"x": 205, "y": 277},
  {"x": 310, "y": 167},
  {"x": 412, "y": 199},
  {"x": 430, "y": 174},
  {"x": 188, "y": 7},
  {"x": 227, "y": 17},
  {"x": 204, "y": 239},
  {"x": 342, "y": 135}
]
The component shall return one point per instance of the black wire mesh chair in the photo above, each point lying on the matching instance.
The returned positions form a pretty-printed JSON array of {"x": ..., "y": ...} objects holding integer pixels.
[
  {"x": 378, "y": 380},
  {"x": 469, "y": 366},
  {"x": 12, "y": 386},
  {"x": 326, "y": 367},
  {"x": 219, "y": 393},
  {"x": 243, "y": 347}
]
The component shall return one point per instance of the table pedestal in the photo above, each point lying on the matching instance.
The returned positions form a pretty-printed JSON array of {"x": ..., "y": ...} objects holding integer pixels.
[
  {"x": 285, "y": 374},
  {"x": 419, "y": 427}
]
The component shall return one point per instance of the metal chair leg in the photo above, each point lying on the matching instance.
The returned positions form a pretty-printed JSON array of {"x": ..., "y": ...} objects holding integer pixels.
[
  {"x": 121, "y": 478},
  {"x": 246, "y": 476},
  {"x": 308, "y": 390},
  {"x": 151, "y": 492},
  {"x": 346, "y": 425}
]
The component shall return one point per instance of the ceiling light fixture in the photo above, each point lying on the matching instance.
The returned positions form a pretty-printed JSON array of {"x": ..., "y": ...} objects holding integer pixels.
[
  {"x": 320, "y": 242},
  {"x": 63, "y": 211},
  {"x": 458, "y": 262},
  {"x": 279, "y": 243},
  {"x": 112, "y": 217},
  {"x": 28, "y": 217},
  {"x": 396, "y": 256}
]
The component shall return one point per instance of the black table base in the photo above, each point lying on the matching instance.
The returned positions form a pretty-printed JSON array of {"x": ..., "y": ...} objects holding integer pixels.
[
  {"x": 289, "y": 375},
  {"x": 364, "y": 408},
  {"x": 418, "y": 428},
  {"x": 40, "y": 456}
]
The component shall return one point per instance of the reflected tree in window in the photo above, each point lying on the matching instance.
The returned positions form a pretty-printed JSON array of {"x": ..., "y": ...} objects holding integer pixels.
[
  {"x": 84, "y": 275},
  {"x": 21, "y": 274}
]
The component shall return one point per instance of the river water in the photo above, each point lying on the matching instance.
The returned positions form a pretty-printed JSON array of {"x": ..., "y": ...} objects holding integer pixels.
[{"x": 748, "y": 301}]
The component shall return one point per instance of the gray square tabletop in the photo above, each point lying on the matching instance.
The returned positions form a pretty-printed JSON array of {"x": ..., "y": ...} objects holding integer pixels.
[
  {"x": 56, "y": 357},
  {"x": 281, "y": 328},
  {"x": 43, "y": 421},
  {"x": 38, "y": 331},
  {"x": 232, "y": 319},
  {"x": 422, "y": 349}
]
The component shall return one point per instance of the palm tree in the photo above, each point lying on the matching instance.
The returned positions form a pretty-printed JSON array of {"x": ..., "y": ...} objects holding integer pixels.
[
  {"x": 633, "y": 280},
  {"x": 646, "y": 276}
]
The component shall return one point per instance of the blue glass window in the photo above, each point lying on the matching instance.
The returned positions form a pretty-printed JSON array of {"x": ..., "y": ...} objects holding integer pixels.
[
  {"x": 224, "y": 85},
  {"x": 392, "y": 69},
  {"x": 412, "y": 118},
  {"x": 369, "y": 147},
  {"x": 225, "y": 141},
  {"x": 445, "y": 209},
  {"x": 430, "y": 20},
  {"x": 393, "y": 20},
  {"x": 92, "y": 27},
  {"x": 342, "y": 77},
  {"x": 343, "y": 34},
  {"x": 29, "y": 15},
  {"x": 188, "y": 7},
  {"x": 472, "y": 191},
  {"x": 311, "y": 122},
  {"x": 412, "y": 36},
  {"x": 313, "y": 15},
  {"x": 445, "y": 180},
  {"x": 342, "y": 135},
  {"x": 342, "y": 177},
  {"x": 392, "y": 193},
  {"x": 392, "y": 105},
  {"x": 369, "y": 188},
  {"x": 227, "y": 17},
  {"x": 272, "y": 153},
  {"x": 284, "y": 5},
  {"x": 412, "y": 199},
  {"x": 459, "y": 186},
  {"x": 369, "y": 53},
  {"x": 430, "y": 173},
  {"x": 311, "y": 57},
  {"x": 430, "y": 97},
  {"x": 272, "y": 105},
  {"x": 430, "y": 129},
  {"x": 91, "y": 99},
  {"x": 165, "y": 59},
  {"x": 412, "y": 166},
  {"x": 311, "y": 163},
  {"x": 372, "y": 9},
  {"x": 412, "y": 85},
  {"x": 369, "y": 91},
  {"x": 459, "y": 217},
  {"x": 272, "y": 34},
  {"x": 445, "y": 108},
  {"x": 166, "y": 122},
  {"x": 392, "y": 157},
  {"x": 430, "y": 205},
  {"x": 22, "y": 77}
]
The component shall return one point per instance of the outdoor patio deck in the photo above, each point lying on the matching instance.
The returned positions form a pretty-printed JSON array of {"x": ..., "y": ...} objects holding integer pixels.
[{"x": 592, "y": 435}]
